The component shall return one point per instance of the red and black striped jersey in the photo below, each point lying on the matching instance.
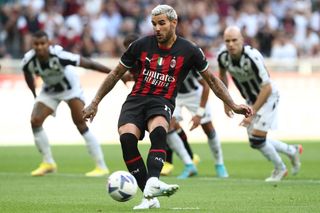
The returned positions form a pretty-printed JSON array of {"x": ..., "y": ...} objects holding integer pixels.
[{"x": 159, "y": 71}]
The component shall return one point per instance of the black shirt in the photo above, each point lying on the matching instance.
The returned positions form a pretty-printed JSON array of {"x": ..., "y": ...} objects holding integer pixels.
[{"x": 160, "y": 72}]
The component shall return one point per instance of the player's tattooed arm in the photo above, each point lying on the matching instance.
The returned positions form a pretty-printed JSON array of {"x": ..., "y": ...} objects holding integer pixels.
[
  {"x": 220, "y": 90},
  {"x": 110, "y": 81},
  {"x": 92, "y": 65}
]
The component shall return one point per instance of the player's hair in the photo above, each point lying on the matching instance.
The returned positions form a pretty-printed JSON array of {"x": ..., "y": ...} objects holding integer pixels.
[
  {"x": 165, "y": 9},
  {"x": 131, "y": 37},
  {"x": 40, "y": 34}
]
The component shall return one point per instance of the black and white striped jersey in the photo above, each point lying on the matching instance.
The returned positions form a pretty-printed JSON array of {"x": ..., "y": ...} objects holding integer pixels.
[
  {"x": 249, "y": 73},
  {"x": 55, "y": 75},
  {"x": 191, "y": 83}
]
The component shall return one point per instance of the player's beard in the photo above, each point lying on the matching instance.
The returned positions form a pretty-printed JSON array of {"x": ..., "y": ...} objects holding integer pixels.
[{"x": 167, "y": 38}]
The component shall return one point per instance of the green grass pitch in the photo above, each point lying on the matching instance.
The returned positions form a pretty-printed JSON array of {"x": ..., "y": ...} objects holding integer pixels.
[{"x": 245, "y": 191}]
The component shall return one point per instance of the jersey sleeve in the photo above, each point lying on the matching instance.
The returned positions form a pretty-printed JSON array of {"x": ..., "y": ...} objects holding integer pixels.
[
  {"x": 25, "y": 60},
  {"x": 128, "y": 58},
  {"x": 258, "y": 61},
  {"x": 222, "y": 58},
  {"x": 66, "y": 58},
  {"x": 200, "y": 61}
]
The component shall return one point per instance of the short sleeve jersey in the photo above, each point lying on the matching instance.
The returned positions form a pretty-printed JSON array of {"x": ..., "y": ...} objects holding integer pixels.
[
  {"x": 249, "y": 73},
  {"x": 52, "y": 72},
  {"x": 160, "y": 72}
]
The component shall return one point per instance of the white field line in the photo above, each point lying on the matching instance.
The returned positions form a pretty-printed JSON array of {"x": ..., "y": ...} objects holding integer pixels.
[{"x": 313, "y": 181}]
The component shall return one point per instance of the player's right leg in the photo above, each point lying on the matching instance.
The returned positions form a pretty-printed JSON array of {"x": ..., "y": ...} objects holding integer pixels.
[
  {"x": 176, "y": 144},
  {"x": 39, "y": 114},
  {"x": 258, "y": 141},
  {"x": 76, "y": 105},
  {"x": 216, "y": 149}
]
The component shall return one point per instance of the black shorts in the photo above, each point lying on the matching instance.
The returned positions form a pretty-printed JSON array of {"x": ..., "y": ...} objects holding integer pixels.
[{"x": 139, "y": 109}]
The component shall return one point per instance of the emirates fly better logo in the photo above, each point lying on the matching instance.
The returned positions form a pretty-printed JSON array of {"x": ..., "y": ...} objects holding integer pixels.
[{"x": 156, "y": 78}]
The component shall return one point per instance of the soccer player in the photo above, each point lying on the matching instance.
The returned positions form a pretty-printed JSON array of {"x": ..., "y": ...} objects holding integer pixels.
[
  {"x": 162, "y": 62},
  {"x": 176, "y": 143},
  {"x": 56, "y": 67},
  {"x": 193, "y": 95},
  {"x": 246, "y": 67}
]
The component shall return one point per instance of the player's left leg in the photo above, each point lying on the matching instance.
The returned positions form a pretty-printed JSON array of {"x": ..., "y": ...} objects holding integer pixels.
[
  {"x": 292, "y": 151},
  {"x": 215, "y": 147},
  {"x": 158, "y": 126},
  {"x": 39, "y": 113},
  {"x": 76, "y": 105},
  {"x": 176, "y": 144}
]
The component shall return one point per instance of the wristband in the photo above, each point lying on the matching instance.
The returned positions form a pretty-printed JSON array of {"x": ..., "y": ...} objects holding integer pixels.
[{"x": 200, "y": 112}]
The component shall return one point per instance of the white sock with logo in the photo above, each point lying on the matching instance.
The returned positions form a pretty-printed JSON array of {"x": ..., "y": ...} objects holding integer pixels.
[
  {"x": 215, "y": 146},
  {"x": 94, "y": 149},
  {"x": 42, "y": 143},
  {"x": 282, "y": 147},
  {"x": 176, "y": 144},
  {"x": 271, "y": 154}
]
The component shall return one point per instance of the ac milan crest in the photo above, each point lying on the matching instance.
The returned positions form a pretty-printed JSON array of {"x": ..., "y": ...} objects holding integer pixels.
[{"x": 173, "y": 63}]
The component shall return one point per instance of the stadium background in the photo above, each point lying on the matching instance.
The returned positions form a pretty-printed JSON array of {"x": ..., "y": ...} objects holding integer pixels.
[{"x": 285, "y": 31}]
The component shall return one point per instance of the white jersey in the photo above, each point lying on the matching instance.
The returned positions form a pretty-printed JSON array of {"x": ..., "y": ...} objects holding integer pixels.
[
  {"x": 58, "y": 74},
  {"x": 248, "y": 73},
  {"x": 189, "y": 96},
  {"x": 54, "y": 74}
]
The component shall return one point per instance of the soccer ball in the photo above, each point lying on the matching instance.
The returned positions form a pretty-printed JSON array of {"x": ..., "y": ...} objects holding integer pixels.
[{"x": 122, "y": 186}]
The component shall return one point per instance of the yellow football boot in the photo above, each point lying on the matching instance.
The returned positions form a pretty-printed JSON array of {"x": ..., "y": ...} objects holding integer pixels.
[
  {"x": 98, "y": 172},
  {"x": 196, "y": 159},
  {"x": 44, "y": 168},
  {"x": 166, "y": 169}
]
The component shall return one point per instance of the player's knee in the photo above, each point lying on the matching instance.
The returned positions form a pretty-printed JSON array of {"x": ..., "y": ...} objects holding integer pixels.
[
  {"x": 158, "y": 138},
  {"x": 80, "y": 124},
  {"x": 37, "y": 129},
  {"x": 212, "y": 134},
  {"x": 36, "y": 121},
  {"x": 129, "y": 145},
  {"x": 256, "y": 142}
]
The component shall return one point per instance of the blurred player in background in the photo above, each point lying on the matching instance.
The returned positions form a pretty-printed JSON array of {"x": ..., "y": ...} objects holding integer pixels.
[
  {"x": 163, "y": 60},
  {"x": 193, "y": 95},
  {"x": 56, "y": 67},
  {"x": 246, "y": 66}
]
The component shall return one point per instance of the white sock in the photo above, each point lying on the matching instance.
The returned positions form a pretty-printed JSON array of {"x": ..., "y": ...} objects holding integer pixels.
[
  {"x": 42, "y": 143},
  {"x": 94, "y": 149},
  {"x": 215, "y": 146},
  {"x": 282, "y": 147},
  {"x": 269, "y": 151},
  {"x": 176, "y": 144}
]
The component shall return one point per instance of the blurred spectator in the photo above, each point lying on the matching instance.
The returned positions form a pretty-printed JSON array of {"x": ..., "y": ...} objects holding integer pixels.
[
  {"x": 302, "y": 12},
  {"x": 265, "y": 37},
  {"x": 250, "y": 19},
  {"x": 288, "y": 24},
  {"x": 315, "y": 19},
  {"x": 283, "y": 48},
  {"x": 28, "y": 23},
  {"x": 51, "y": 16},
  {"x": 280, "y": 7},
  {"x": 70, "y": 7},
  {"x": 310, "y": 45},
  {"x": 97, "y": 27}
]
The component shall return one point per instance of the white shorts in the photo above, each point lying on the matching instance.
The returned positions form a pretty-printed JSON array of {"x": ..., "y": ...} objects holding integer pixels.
[
  {"x": 52, "y": 100},
  {"x": 267, "y": 116},
  {"x": 191, "y": 102}
]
